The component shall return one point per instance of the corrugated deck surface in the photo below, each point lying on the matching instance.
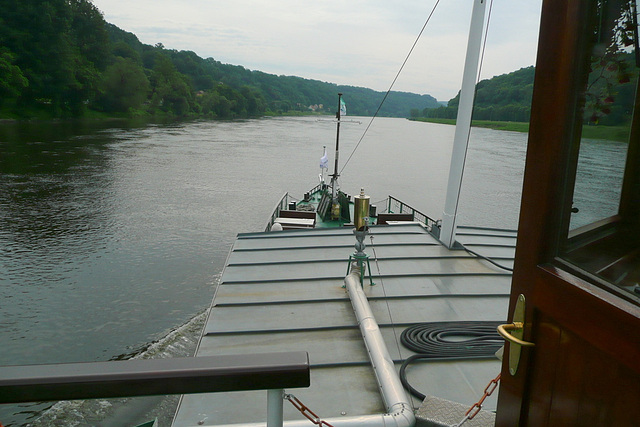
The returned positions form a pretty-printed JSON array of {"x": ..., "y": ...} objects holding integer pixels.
[{"x": 282, "y": 291}]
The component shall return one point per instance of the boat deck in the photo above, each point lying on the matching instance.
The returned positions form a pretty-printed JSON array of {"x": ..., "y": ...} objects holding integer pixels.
[{"x": 283, "y": 291}]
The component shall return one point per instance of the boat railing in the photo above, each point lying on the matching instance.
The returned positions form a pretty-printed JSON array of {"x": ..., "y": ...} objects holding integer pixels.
[
  {"x": 281, "y": 205},
  {"x": 397, "y": 206},
  {"x": 317, "y": 188},
  {"x": 145, "y": 377}
]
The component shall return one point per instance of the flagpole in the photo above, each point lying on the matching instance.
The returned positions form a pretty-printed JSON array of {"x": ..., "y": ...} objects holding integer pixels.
[{"x": 334, "y": 179}]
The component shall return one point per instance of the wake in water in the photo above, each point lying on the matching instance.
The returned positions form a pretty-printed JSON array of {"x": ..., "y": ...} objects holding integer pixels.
[{"x": 180, "y": 342}]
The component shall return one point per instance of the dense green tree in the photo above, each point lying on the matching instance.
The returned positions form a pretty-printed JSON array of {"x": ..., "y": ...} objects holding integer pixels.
[
  {"x": 123, "y": 50},
  {"x": 12, "y": 81},
  {"x": 170, "y": 90},
  {"x": 256, "y": 104},
  {"x": 89, "y": 34},
  {"x": 124, "y": 86}
]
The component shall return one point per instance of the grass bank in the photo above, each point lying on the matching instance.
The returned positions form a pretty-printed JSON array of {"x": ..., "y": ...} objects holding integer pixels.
[
  {"x": 512, "y": 126},
  {"x": 611, "y": 133}
]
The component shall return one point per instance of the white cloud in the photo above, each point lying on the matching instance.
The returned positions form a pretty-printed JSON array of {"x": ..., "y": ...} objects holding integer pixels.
[{"x": 359, "y": 42}]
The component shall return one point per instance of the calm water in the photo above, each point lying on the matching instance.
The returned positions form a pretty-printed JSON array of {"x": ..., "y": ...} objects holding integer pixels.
[{"x": 111, "y": 237}]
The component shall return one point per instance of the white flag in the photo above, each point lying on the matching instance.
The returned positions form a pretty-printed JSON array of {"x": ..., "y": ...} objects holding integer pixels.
[{"x": 324, "y": 160}]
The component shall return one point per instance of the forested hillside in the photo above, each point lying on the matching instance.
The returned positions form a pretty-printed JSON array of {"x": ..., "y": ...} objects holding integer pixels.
[
  {"x": 502, "y": 98},
  {"x": 608, "y": 97},
  {"x": 59, "y": 58}
]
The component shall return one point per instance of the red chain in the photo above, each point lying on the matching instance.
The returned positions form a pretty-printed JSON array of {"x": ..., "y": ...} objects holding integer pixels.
[
  {"x": 304, "y": 410},
  {"x": 487, "y": 392}
]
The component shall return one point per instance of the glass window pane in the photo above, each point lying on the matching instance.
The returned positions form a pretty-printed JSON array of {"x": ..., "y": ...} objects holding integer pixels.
[
  {"x": 608, "y": 107},
  {"x": 602, "y": 239}
]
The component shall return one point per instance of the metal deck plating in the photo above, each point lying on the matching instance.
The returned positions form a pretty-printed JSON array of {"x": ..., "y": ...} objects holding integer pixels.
[{"x": 283, "y": 291}]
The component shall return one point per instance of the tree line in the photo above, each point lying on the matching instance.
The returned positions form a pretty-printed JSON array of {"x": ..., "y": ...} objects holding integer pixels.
[
  {"x": 60, "y": 58},
  {"x": 502, "y": 98},
  {"x": 608, "y": 97}
]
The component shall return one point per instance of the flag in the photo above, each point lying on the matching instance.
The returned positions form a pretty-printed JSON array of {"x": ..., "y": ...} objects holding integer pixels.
[
  {"x": 343, "y": 107},
  {"x": 324, "y": 160}
]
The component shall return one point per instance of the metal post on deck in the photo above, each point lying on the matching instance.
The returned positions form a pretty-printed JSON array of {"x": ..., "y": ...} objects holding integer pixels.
[
  {"x": 463, "y": 124},
  {"x": 274, "y": 407}
]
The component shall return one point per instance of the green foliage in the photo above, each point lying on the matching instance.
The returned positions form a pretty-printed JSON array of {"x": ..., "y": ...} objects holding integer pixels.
[
  {"x": 503, "y": 98},
  {"x": 497, "y": 125},
  {"x": 171, "y": 92},
  {"x": 60, "y": 58},
  {"x": 124, "y": 86},
  {"x": 12, "y": 81},
  {"x": 609, "y": 95},
  {"x": 59, "y": 46}
]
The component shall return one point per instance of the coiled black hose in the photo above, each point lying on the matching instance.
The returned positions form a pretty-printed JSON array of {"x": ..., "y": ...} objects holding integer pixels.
[{"x": 438, "y": 341}]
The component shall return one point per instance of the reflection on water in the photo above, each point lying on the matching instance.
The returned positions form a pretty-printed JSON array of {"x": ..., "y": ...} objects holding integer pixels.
[{"x": 598, "y": 181}]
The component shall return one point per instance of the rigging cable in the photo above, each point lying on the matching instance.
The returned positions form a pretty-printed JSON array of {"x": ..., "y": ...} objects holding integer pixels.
[
  {"x": 443, "y": 341},
  {"x": 391, "y": 87},
  {"x": 384, "y": 291}
]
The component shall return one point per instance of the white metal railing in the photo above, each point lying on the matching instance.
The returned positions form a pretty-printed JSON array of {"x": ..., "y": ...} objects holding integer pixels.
[
  {"x": 281, "y": 205},
  {"x": 396, "y": 206}
]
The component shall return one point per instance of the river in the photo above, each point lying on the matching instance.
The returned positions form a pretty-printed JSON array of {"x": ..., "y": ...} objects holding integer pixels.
[{"x": 112, "y": 235}]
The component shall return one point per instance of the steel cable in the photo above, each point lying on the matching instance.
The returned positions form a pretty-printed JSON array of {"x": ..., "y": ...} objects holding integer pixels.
[{"x": 392, "y": 84}]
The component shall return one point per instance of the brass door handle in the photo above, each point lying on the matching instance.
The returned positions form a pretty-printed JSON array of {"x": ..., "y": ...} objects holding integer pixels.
[
  {"x": 513, "y": 332},
  {"x": 515, "y": 326}
]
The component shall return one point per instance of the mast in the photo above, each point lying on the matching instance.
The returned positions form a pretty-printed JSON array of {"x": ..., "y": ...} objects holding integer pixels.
[
  {"x": 334, "y": 177},
  {"x": 463, "y": 124}
]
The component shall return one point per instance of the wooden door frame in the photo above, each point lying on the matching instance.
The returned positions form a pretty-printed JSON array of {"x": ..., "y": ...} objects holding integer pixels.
[{"x": 573, "y": 301}]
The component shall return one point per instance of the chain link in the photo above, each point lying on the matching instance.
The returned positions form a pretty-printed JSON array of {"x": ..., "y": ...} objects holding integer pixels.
[
  {"x": 304, "y": 410},
  {"x": 476, "y": 407}
]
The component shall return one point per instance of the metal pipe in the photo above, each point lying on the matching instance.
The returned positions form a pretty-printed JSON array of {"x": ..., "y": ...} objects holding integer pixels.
[
  {"x": 399, "y": 410},
  {"x": 373, "y": 420},
  {"x": 393, "y": 393},
  {"x": 463, "y": 124},
  {"x": 274, "y": 408}
]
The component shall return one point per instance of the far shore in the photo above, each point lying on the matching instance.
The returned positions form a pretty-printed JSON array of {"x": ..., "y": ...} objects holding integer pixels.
[{"x": 611, "y": 133}]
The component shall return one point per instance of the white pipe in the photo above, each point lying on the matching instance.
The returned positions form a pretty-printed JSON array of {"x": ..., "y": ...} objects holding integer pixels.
[
  {"x": 399, "y": 410},
  {"x": 391, "y": 388},
  {"x": 274, "y": 408},
  {"x": 373, "y": 420},
  {"x": 463, "y": 124}
]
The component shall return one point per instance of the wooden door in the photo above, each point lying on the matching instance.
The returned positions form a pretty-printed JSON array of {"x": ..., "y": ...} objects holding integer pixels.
[{"x": 578, "y": 274}]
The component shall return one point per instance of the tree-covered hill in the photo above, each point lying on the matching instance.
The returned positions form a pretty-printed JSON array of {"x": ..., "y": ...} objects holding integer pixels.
[
  {"x": 59, "y": 58},
  {"x": 609, "y": 94},
  {"x": 502, "y": 98}
]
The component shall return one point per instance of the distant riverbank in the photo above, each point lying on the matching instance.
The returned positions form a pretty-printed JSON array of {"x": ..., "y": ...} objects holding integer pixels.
[
  {"x": 512, "y": 126},
  {"x": 141, "y": 118},
  {"x": 612, "y": 133}
]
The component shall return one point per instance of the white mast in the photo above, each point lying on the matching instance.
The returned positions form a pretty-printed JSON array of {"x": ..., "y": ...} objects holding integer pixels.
[{"x": 463, "y": 124}]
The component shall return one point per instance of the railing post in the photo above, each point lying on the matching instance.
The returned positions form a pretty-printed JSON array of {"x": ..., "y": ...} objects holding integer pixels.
[{"x": 274, "y": 407}]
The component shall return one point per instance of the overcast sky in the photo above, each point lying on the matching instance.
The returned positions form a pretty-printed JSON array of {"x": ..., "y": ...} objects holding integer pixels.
[{"x": 351, "y": 42}]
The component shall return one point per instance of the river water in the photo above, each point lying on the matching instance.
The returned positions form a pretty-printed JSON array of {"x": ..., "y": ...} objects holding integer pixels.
[{"x": 113, "y": 235}]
